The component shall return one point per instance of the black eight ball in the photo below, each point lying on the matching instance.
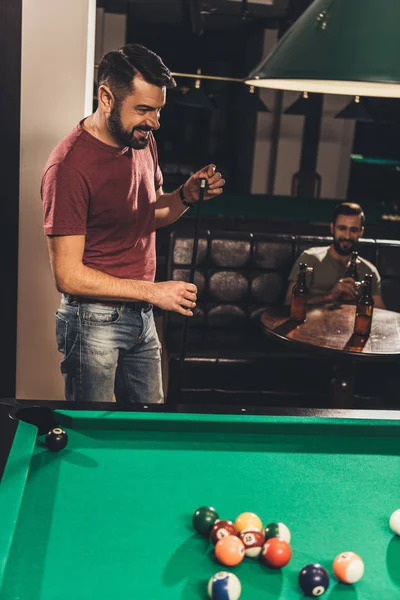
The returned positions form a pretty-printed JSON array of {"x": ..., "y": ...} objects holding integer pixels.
[{"x": 56, "y": 439}]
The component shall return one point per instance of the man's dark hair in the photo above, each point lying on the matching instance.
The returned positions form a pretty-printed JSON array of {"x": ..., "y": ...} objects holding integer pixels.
[
  {"x": 118, "y": 68},
  {"x": 348, "y": 208}
]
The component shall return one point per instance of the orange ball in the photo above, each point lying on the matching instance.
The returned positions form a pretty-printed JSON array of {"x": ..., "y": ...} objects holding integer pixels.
[
  {"x": 248, "y": 520},
  {"x": 276, "y": 553},
  {"x": 348, "y": 567},
  {"x": 229, "y": 550}
]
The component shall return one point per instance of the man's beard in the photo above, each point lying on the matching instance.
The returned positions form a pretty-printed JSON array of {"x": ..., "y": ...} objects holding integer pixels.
[
  {"x": 352, "y": 245},
  {"x": 124, "y": 137}
]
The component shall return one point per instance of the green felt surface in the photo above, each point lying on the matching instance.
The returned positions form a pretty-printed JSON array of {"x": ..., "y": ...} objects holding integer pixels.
[{"x": 110, "y": 516}]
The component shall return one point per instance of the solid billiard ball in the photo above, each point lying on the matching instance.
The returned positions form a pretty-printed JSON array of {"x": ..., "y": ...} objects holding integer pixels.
[
  {"x": 313, "y": 580},
  {"x": 229, "y": 550},
  {"x": 224, "y": 586},
  {"x": 248, "y": 520},
  {"x": 395, "y": 522},
  {"x": 277, "y": 530},
  {"x": 56, "y": 439},
  {"x": 253, "y": 541},
  {"x": 276, "y": 553},
  {"x": 204, "y": 518},
  {"x": 221, "y": 529},
  {"x": 348, "y": 567}
]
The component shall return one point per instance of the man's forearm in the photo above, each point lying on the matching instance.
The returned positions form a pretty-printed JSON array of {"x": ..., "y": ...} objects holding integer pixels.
[
  {"x": 169, "y": 208},
  {"x": 85, "y": 281}
]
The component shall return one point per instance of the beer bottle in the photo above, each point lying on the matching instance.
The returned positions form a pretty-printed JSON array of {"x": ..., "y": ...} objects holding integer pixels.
[
  {"x": 364, "y": 308},
  {"x": 352, "y": 270},
  {"x": 298, "y": 308}
]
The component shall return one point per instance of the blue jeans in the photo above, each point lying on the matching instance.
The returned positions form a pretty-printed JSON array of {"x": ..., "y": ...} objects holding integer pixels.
[{"x": 109, "y": 348}]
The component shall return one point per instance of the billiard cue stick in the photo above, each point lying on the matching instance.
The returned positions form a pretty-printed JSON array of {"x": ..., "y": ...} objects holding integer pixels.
[{"x": 203, "y": 183}]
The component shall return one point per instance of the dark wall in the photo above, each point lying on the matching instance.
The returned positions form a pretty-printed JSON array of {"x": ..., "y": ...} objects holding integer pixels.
[
  {"x": 189, "y": 137},
  {"x": 378, "y": 175}
]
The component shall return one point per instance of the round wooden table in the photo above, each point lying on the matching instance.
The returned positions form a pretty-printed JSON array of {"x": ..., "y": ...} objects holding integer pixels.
[{"x": 328, "y": 330}]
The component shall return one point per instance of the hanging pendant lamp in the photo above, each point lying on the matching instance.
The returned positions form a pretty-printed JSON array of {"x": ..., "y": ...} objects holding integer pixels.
[{"x": 338, "y": 47}]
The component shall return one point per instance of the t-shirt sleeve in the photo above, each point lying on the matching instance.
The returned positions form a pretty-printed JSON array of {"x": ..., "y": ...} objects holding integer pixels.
[
  {"x": 376, "y": 283},
  {"x": 158, "y": 176},
  {"x": 65, "y": 195}
]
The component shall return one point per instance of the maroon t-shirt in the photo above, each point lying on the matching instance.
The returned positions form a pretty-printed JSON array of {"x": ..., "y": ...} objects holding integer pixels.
[{"x": 107, "y": 194}]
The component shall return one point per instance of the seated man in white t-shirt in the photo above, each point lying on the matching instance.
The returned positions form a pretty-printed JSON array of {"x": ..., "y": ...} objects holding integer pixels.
[{"x": 328, "y": 282}]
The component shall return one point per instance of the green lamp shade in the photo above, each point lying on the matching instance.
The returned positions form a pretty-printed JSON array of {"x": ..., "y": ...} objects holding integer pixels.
[{"x": 338, "y": 47}]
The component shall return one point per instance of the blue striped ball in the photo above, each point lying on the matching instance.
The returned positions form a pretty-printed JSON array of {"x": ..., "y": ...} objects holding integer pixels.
[{"x": 224, "y": 586}]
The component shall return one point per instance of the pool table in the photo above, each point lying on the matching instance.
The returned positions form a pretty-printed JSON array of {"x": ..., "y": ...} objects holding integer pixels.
[{"x": 110, "y": 516}]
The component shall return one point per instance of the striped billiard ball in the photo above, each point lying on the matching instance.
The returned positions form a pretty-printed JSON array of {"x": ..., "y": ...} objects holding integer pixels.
[
  {"x": 253, "y": 541},
  {"x": 277, "y": 530},
  {"x": 224, "y": 586},
  {"x": 220, "y": 529},
  {"x": 348, "y": 567}
]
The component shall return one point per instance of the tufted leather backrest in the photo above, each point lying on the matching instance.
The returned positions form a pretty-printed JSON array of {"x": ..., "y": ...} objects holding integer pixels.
[{"x": 238, "y": 274}]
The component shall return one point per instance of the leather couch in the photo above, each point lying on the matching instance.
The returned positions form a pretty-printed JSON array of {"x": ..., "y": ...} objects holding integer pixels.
[{"x": 228, "y": 359}]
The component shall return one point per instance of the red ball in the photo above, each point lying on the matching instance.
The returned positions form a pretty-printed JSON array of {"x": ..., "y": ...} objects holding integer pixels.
[
  {"x": 276, "y": 553},
  {"x": 253, "y": 541},
  {"x": 229, "y": 550},
  {"x": 221, "y": 529}
]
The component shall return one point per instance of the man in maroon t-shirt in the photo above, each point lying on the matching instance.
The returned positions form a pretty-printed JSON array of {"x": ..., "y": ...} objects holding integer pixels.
[{"x": 103, "y": 200}]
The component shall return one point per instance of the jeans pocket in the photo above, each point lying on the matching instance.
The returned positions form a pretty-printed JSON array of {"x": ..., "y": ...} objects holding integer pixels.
[
  {"x": 96, "y": 314},
  {"x": 61, "y": 333},
  {"x": 67, "y": 332}
]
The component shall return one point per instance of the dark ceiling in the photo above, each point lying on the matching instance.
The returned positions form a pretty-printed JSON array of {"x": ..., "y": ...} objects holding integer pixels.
[{"x": 203, "y": 15}]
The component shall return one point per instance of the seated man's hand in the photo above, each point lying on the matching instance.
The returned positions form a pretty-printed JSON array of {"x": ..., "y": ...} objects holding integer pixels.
[{"x": 345, "y": 288}]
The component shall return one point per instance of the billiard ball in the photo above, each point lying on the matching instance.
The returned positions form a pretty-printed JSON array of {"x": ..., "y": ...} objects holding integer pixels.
[
  {"x": 229, "y": 550},
  {"x": 395, "y": 522},
  {"x": 56, "y": 439},
  {"x": 224, "y": 586},
  {"x": 313, "y": 580},
  {"x": 277, "y": 530},
  {"x": 221, "y": 529},
  {"x": 276, "y": 553},
  {"x": 253, "y": 541},
  {"x": 348, "y": 567},
  {"x": 204, "y": 518},
  {"x": 248, "y": 520}
]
